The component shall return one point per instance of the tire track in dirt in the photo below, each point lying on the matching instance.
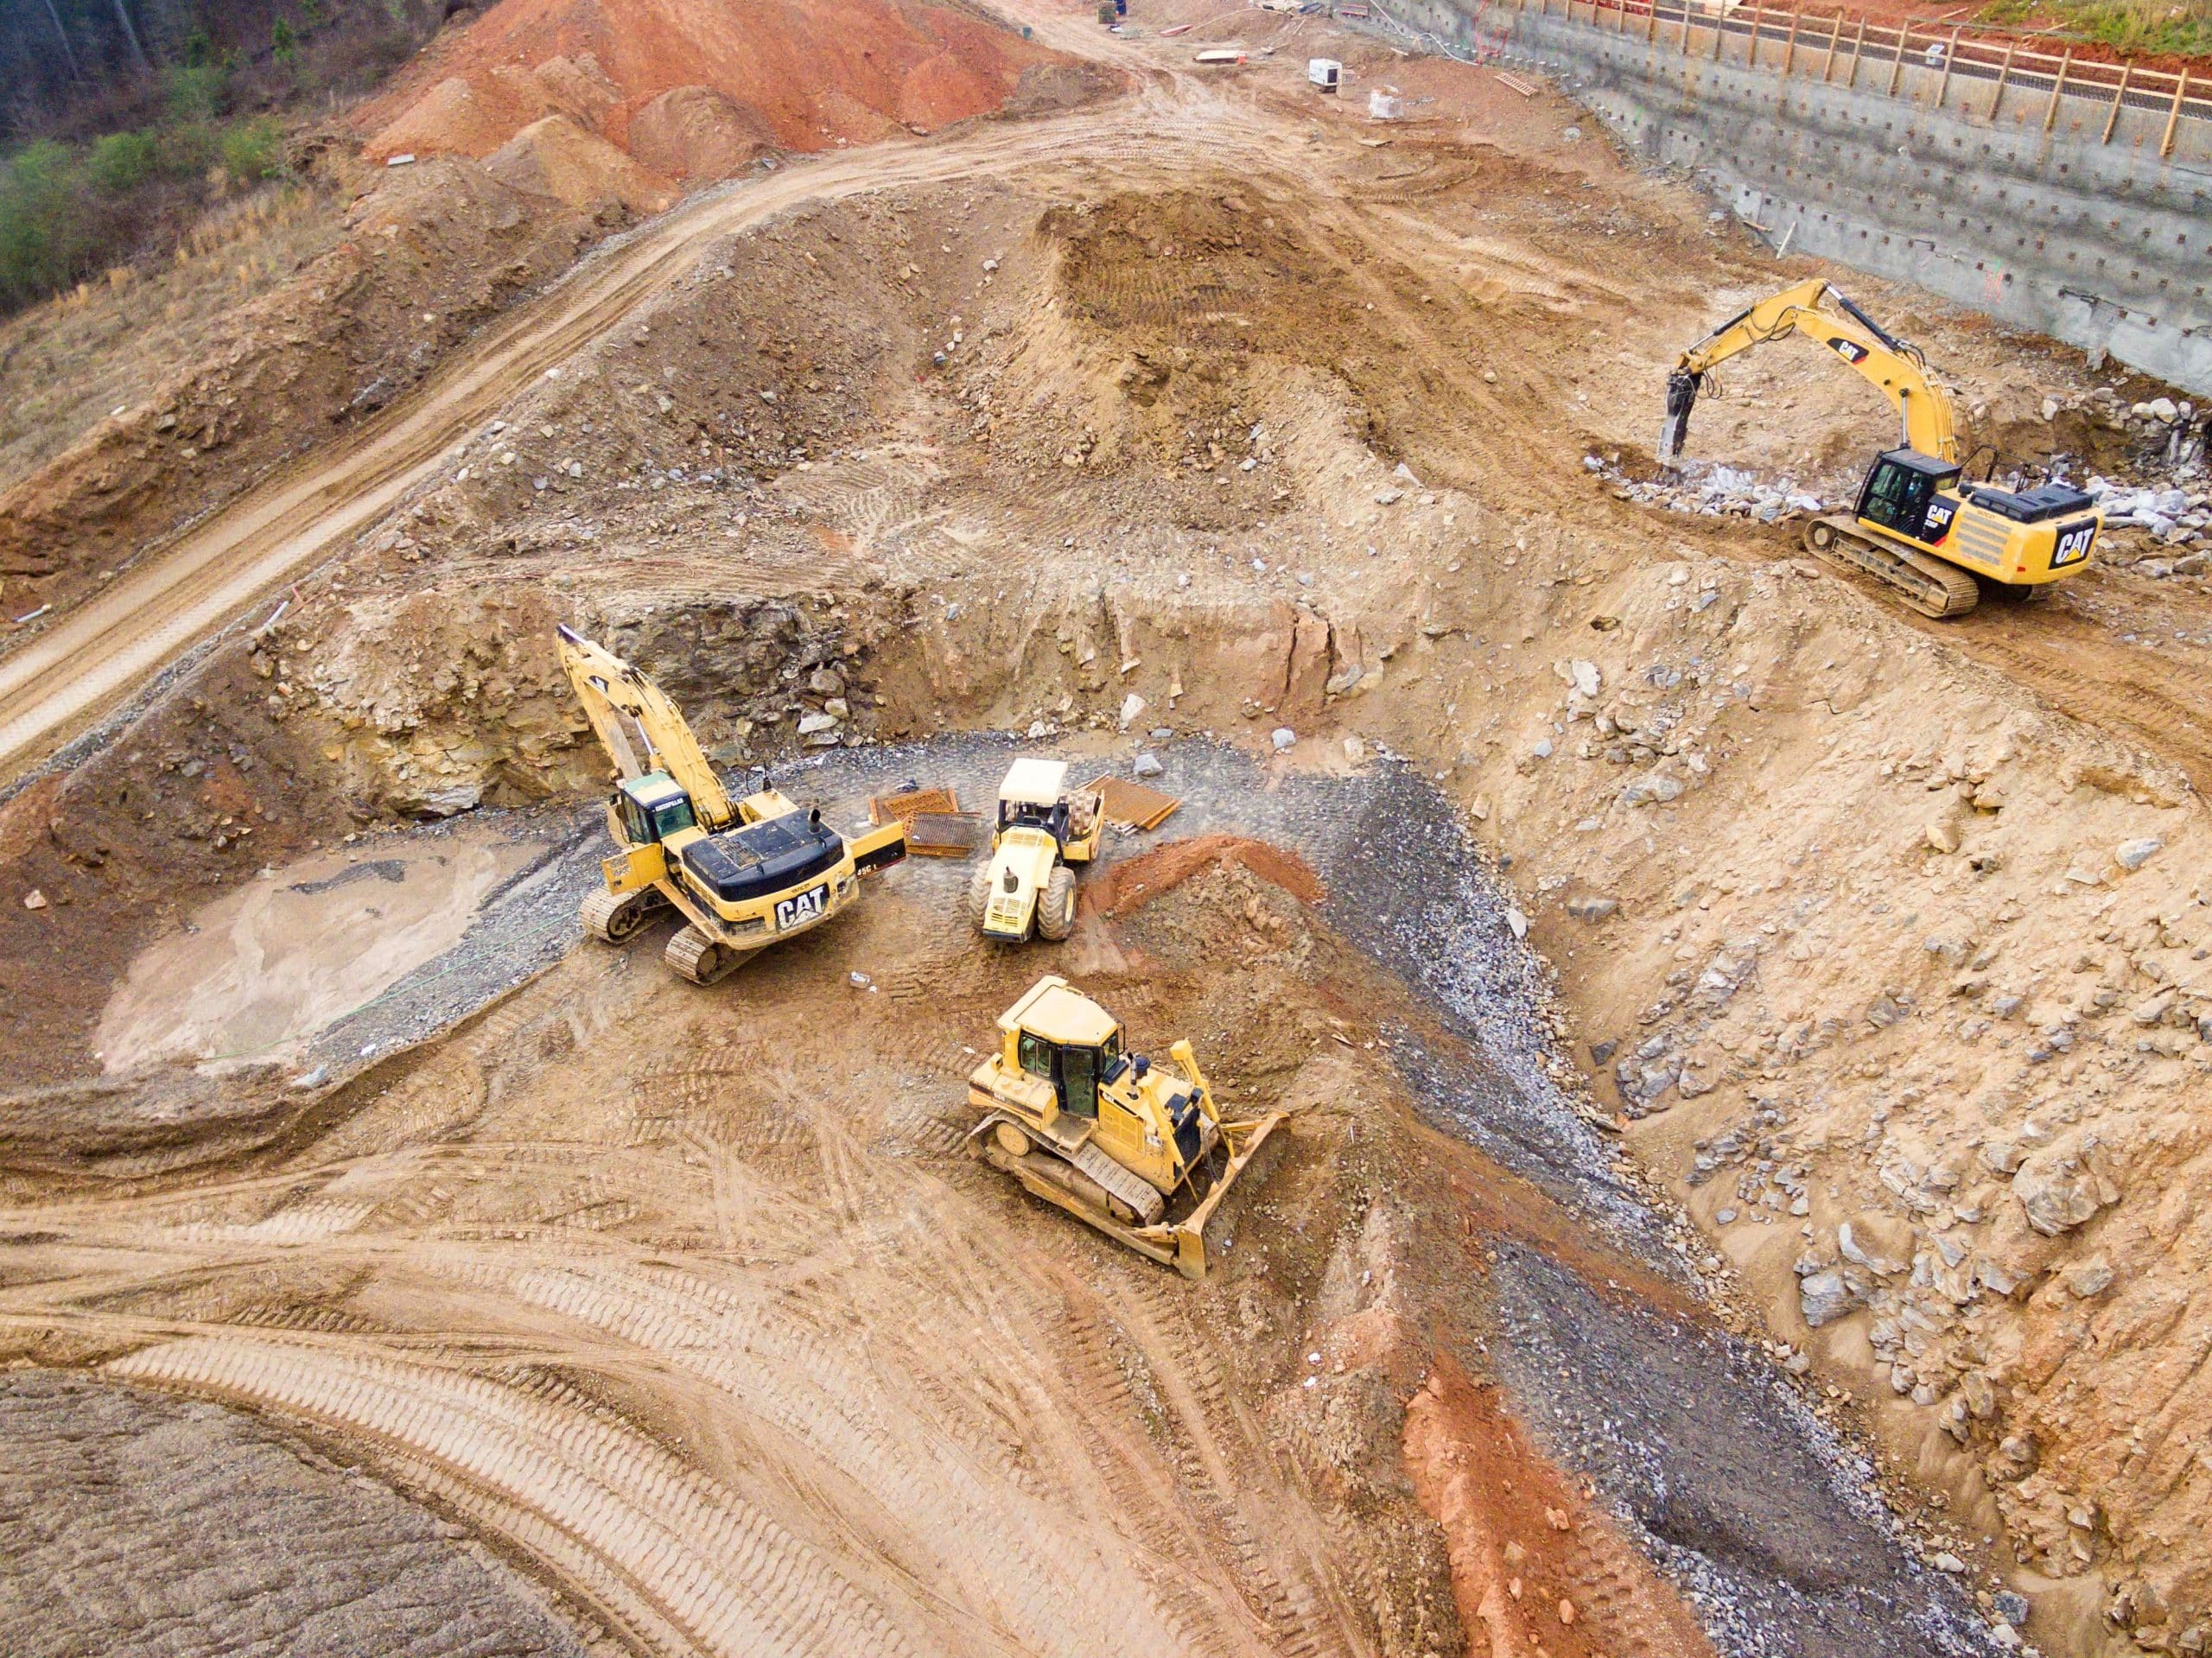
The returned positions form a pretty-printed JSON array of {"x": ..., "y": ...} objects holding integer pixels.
[
  {"x": 670, "y": 1550},
  {"x": 1043, "y": 1580},
  {"x": 2102, "y": 685}
]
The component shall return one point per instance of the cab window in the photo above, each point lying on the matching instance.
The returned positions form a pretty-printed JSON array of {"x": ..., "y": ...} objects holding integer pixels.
[
  {"x": 1036, "y": 1055},
  {"x": 1079, "y": 1082},
  {"x": 670, "y": 815},
  {"x": 1110, "y": 1055},
  {"x": 637, "y": 827},
  {"x": 1896, "y": 496}
]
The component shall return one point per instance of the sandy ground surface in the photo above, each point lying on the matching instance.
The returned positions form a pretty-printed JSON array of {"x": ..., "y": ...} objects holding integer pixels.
[
  {"x": 1877, "y": 946},
  {"x": 268, "y": 967},
  {"x": 748, "y": 1287}
]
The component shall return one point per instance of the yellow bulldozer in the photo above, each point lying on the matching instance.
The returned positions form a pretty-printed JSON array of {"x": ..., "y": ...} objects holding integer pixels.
[
  {"x": 1917, "y": 527},
  {"x": 1141, "y": 1153},
  {"x": 1026, "y": 887},
  {"x": 745, "y": 874}
]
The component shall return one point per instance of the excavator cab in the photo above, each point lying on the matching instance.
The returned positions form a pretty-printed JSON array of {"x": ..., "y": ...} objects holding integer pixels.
[
  {"x": 652, "y": 808},
  {"x": 1905, "y": 491}
]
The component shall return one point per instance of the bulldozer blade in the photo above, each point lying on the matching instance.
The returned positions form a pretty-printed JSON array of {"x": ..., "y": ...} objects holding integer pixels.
[
  {"x": 1191, "y": 1233},
  {"x": 1180, "y": 1244}
]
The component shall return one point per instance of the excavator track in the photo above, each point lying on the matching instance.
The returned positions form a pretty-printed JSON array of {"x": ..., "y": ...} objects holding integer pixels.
[
  {"x": 613, "y": 917},
  {"x": 693, "y": 956},
  {"x": 1929, "y": 585}
]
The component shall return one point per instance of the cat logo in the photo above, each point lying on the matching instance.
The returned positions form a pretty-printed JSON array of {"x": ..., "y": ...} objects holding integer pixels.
[
  {"x": 1850, "y": 349},
  {"x": 1938, "y": 525},
  {"x": 810, "y": 905},
  {"x": 2073, "y": 545}
]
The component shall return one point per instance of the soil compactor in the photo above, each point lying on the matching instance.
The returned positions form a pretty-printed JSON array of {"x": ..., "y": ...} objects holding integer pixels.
[
  {"x": 1027, "y": 887},
  {"x": 1918, "y": 528},
  {"x": 1142, "y": 1153},
  {"x": 745, "y": 874}
]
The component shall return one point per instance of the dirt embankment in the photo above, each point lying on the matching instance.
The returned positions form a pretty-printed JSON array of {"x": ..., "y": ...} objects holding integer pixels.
[
  {"x": 420, "y": 264},
  {"x": 691, "y": 92}
]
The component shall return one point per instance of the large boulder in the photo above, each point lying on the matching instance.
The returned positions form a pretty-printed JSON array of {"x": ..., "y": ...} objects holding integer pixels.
[{"x": 2064, "y": 1185}]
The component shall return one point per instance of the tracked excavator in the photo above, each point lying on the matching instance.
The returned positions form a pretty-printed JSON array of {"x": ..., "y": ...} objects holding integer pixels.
[
  {"x": 1918, "y": 526},
  {"x": 1141, "y": 1153},
  {"x": 744, "y": 875}
]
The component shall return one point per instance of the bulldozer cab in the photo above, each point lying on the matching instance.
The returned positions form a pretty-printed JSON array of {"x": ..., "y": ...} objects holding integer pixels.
[
  {"x": 1064, "y": 1038},
  {"x": 652, "y": 808},
  {"x": 1904, "y": 492}
]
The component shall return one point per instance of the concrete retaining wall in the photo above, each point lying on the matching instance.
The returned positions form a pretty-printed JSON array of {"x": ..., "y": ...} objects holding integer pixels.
[{"x": 2051, "y": 209}]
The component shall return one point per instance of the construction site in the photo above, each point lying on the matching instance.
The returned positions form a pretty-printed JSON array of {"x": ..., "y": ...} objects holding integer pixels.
[{"x": 1432, "y": 977}]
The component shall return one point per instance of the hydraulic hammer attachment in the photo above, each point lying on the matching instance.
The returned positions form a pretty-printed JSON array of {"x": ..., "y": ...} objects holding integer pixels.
[{"x": 1682, "y": 398}]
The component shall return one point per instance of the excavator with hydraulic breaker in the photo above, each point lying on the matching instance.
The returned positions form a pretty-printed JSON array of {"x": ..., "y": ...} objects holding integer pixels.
[
  {"x": 1026, "y": 887},
  {"x": 745, "y": 874},
  {"x": 1918, "y": 526},
  {"x": 1142, "y": 1153}
]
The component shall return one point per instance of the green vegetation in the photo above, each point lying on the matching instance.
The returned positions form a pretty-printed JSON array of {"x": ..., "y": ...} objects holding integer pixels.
[
  {"x": 125, "y": 119},
  {"x": 63, "y": 206},
  {"x": 2129, "y": 25},
  {"x": 122, "y": 161}
]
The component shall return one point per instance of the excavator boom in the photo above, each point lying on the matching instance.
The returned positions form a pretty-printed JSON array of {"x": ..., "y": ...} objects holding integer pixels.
[
  {"x": 627, "y": 708},
  {"x": 1923, "y": 408}
]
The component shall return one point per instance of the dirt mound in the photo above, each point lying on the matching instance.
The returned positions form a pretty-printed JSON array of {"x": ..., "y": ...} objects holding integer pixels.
[
  {"x": 794, "y": 75},
  {"x": 696, "y": 132},
  {"x": 1129, "y": 885},
  {"x": 555, "y": 158}
]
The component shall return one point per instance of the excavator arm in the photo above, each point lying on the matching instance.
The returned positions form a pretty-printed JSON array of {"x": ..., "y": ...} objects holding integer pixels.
[
  {"x": 1923, "y": 408},
  {"x": 625, "y": 709}
]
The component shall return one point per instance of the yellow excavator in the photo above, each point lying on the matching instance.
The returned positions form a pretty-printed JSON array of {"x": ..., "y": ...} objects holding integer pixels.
[
  {"x": 745, "y": 874},
  {"x": 1917, "y": 527},
  {"x": 1141, "y": 1153}
]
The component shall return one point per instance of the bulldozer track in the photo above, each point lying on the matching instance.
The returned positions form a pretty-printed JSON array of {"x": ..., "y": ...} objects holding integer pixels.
[{"x": 679, "y": 1550}]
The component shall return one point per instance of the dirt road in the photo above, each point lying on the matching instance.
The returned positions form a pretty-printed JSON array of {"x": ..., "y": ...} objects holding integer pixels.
[{"x": 116, "y": 644}]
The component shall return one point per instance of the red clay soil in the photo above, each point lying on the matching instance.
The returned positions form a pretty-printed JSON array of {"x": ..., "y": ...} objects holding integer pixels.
[
  {"x": 791, "y": 74},
  {"x": 1125, "y": 887},
  {"x": 1538, "y": 1571}
]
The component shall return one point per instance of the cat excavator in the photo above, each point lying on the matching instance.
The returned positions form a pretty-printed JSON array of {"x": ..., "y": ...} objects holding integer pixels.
[
  {"x": 744, "y": 875},
  {"x": 1917, "y": 527}
]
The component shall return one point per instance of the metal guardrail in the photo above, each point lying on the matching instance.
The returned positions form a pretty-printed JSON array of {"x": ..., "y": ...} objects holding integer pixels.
[{"x": 1836, "y": 48}]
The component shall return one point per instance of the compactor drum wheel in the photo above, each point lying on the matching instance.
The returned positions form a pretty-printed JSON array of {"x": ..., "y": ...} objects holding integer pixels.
[
  {"x": 979, "y": 897},
  {"x": 1056, "y": 905},
  {"x": 695, "y": 956},
  {"x": 614, "y": 917}
]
